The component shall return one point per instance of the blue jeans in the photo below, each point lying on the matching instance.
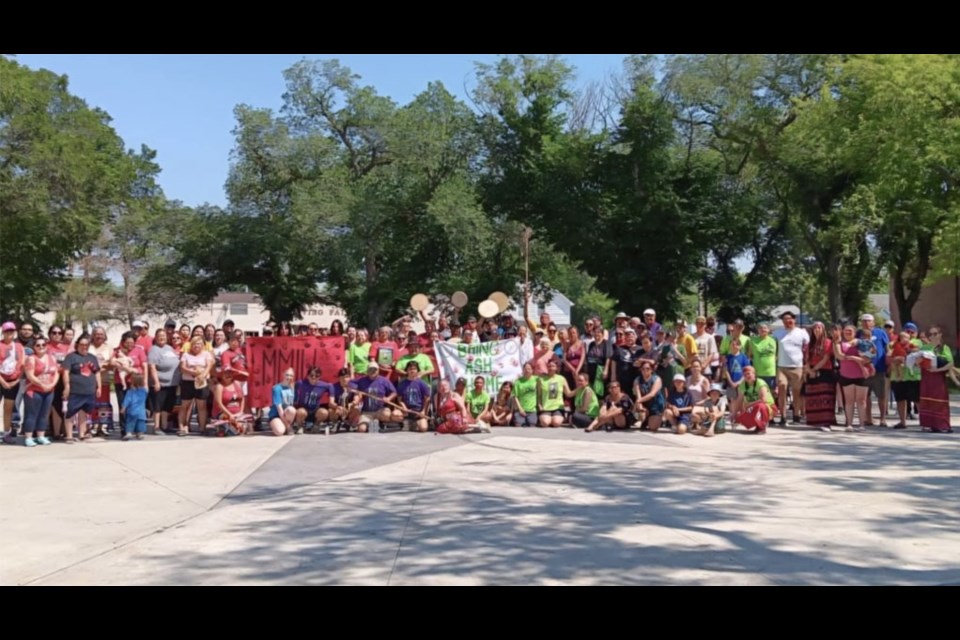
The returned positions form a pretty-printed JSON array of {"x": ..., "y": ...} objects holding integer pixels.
[
  {"x": 136, "y": 425},
  {"x": 37, "y": 409}
]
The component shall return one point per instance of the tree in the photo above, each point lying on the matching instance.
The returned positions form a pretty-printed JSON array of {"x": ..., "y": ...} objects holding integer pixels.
[{"x": 60, "y": 171}]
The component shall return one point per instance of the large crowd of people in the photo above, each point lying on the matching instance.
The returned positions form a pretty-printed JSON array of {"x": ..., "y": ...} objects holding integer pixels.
[{"x": 636, "y": 374}]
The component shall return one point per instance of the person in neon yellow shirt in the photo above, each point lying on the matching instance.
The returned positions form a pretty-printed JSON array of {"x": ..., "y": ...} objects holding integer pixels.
[
  {"x": 358, "y": 355},
  {"x": 552, "y": 388}
]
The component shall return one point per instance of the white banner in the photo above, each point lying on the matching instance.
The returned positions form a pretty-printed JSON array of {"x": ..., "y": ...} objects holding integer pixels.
[{"x": 498, "y": 362}]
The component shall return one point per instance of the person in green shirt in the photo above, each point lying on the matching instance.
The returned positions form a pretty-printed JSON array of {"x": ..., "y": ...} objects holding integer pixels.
[
  {"x": 552, "y": 388},
  {"x": 756, "y": 400},
  {"x": 736, "y": 330},
  {"x": 414, "y": 355},
  {"x": 586, "y": 407},
  {"x": 477, "y": 399},
  {"x": 358, "y": 355},
  {"x": 525, "y": 398},
  {"x": 762, "y": 351},
  {"x": 904, "y": 381}
]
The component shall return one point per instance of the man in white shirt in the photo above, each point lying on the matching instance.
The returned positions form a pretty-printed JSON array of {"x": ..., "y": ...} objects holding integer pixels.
[
  {"x": 706, "y": 348},
  {"x": 792, "y": 343}
]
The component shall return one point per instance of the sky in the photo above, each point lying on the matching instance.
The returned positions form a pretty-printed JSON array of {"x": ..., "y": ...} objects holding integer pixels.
[{"x": 182, "y": 105}]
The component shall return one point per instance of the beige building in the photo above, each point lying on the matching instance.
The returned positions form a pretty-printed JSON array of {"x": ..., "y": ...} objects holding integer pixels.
[{"x": 939, "y": 304}]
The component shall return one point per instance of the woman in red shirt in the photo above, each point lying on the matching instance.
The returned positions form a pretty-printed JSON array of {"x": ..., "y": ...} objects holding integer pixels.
[
  {"x": 820, "y": 391},
  {"x": 43, "y": 373},
  {"x": 12, "y": 356}
]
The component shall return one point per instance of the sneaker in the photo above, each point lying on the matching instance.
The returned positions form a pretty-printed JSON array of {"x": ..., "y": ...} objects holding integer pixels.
[
  {"x": 298, "y": 431},
  {"x": 849, "y": 429},
  {"x": 29, "y": 442},
  {"x": 139, "y": 436},
  {"x": 859, "y": 429},
  {"x": 125, "y": 437},
  {"x": 9, "y": 439},
  {"x": 826, "y": 428},
  {"x": 43, "y": 440},
  {"x": 783, "y": 422},
  {"x": 899, "y": 425}
]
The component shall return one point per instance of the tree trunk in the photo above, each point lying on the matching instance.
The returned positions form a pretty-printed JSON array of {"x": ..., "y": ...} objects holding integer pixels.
[
  {"x": 834, "y": 294},
  {"x": 374, "y": 309}
]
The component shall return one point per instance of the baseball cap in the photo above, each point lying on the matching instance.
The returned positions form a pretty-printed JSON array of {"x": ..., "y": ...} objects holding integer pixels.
[
  {"x": 649, "y": 312},
  {"x": 716, "y": 387},
  {"x": 372, "y": 367},
  {"x": 866, "y": 316},
  {"x": 170, "y": 324},
  {"x": 228, "y": 321},
  {"x": 622, "y": 316},
  {"x": 910, "y": 327},
  {"x": 630, "y": 330},
  {"x": 9, "y": 326},
  {"x": 679, "y": 376},
  {"x": 137, "y": 324},
  {"x": 889, "y": 323}
]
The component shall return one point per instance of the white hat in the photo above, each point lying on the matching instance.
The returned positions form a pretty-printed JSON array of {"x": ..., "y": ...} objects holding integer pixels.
[
  {"x": 137, "y": 324},
  {"x": 679, "y": 376},
  {"x": 716, "y": 387},
  {"x": 866, "y": 316},
  {"x": 649, "y": 312}
]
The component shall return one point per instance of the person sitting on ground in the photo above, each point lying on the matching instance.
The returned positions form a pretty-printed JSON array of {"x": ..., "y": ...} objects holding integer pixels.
[
  {"x": 757, "y": 402},
  {"x": 617, "y": 411},
  {"x": 710, "y": 411},
  {"x": 648, "y": 390},
  {"x": 413, "y": 394},
  {"x": 228, "y": 401},
  {"x": 500, "y": 411},
  {"x": 525, "y": 398},
  {"x": 478, "y": 400},
  {"x": 282, "y": 411},
  {"x": 586, "y": 406},
  {"x": 452, "y": 414},
  {"x": 312, "y": 399},
  {"x": 377, "y": 390},
  {"x": 679, "y": 406}
]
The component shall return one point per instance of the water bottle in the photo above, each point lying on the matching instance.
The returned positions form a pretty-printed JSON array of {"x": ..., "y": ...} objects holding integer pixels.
[{"x": 374, "y": 426}]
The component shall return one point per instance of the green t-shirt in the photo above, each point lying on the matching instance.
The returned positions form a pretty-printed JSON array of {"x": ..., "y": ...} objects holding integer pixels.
[
  {"x": 763, "y": 354},
  {"x": 551, "y": 393},
  {"x": 593, "y": 405},
  {"x": 725, "y": 344},
  {"x": 944, "y": 352},
  {"x": 358, "y": 357},
  {"x": 751, "y": 393},
  {"x": 525, "y": 391},
  {"x": 425, "y": 365},
  {"x": 477, "y": 402}
]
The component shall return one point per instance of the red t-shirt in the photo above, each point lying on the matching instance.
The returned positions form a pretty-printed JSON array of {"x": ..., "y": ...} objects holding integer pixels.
[
  {"x": 58, "y": 350},
  {"x": 17, "y": 367},
  {"x": 385, "y": 354},
  {"x": 233, "y": 359},
  {"x": 137, "y": 356},
  {"x": 43, "y": 367},
  {"x": 145, "y": 343}
]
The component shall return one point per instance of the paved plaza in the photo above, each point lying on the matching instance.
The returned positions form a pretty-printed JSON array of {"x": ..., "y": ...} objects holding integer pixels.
[{"x": 518, "y": 506}]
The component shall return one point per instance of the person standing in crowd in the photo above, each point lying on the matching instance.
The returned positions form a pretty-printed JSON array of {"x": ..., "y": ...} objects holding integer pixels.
[
  {"x": 598, "y": 358},
  {"x": 573, "y": 356},
  {"x": 905, "y": 381},
  {"x": 820, "y": 390},
  {"x": 736, "y": 333},
  {"x": 735, "y": 363},
  {"x": 413, "y": 394},
  {"x": 625, "y": 358},
  {"x": 12, "y": 358},
  {"x": 508, "y": 329},
  {"x": 134, "y": 407},
  {"x": 196, "y": 369},
  {"x": 385, "y": 352},
  {"x": 650, "y": 321},
  {"x": 99, "y": 347},
  {"x": 220, "y": 345},
  {"x": 81, "y": 387},
  {"x": 852, "y": 380},
  {"x": 185, "y": 334},
  {"x": 525, "y": 398},
  {"x": 59, "y": 350},
  {"x": 934, "y": 393},
  {"x": 163, "y": 367},
  {"x": 697, "y": 384},
  {"x": 757, "y": 402},
  {"x": 25, "y": 340},
  {"x": 877, "y": 382},
  {"x": 791, "y": 345},
  {"x": 686, "y": 345},
  {"x": 707, "y": 351},
  {"x": 128, "y": 359},
  {"x": 142, "y": 336},
  {"x": 358, "y": 356},
  {"x": 42, "y": 372},
  {"x": 543, "y": 356},
  {"x": 762, "y": 351},
  {"x": 617, "y": 337}
]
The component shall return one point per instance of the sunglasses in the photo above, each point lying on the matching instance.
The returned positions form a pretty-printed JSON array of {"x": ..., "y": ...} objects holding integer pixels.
[
  {"x": 56, "y": 333},
  {"x": 39, "y": 345},
  {"x": 83, "y": 344},
  {"x": 934, "y": 333}
]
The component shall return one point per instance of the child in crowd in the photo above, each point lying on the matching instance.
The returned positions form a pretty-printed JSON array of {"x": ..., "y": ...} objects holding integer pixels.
[
  {"x": 710, "y": 410},
  {"x": 134, "y": 407},
  {"x": 866, "y": 349},
  {"x": 899, "y": 351},
  {"x": 733, "y": 374}
]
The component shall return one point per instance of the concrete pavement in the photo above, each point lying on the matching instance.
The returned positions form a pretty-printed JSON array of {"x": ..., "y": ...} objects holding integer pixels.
[{"x": 519, "y": 506}]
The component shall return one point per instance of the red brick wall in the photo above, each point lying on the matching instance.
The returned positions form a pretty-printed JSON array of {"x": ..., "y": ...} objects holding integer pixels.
[{"x": 938, "y": 304}]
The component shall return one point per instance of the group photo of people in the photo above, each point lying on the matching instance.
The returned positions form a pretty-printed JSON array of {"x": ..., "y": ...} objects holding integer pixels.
[{"x": 635, "y": 374}]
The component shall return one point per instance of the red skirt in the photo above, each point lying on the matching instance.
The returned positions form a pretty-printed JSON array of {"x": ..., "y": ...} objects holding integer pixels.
[{"x": 934, "y": 400}]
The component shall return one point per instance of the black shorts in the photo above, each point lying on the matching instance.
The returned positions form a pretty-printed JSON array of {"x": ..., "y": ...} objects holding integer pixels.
[
  {"x": 906, "y": 391},
  {"x": 857, "y": 382},
  {"x": 164, "y": 400},
  {"x": 190, "y": 392},
  {"x": 581, "y": 420},
  {"x": 76, "y": 404},
  {"x": 11, "y": 393}
]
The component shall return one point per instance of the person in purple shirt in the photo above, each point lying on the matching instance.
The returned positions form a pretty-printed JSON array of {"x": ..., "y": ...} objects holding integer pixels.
[
  {"x": 650, "y": 320},
  {"x": 312, "y": 397},
  {"x": 414, "y": 395},
  {"x": 381, "y": 390}
]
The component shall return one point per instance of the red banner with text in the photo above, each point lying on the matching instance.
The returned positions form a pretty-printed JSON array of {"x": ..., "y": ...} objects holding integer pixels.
[{"x": 268, "y": 358}]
